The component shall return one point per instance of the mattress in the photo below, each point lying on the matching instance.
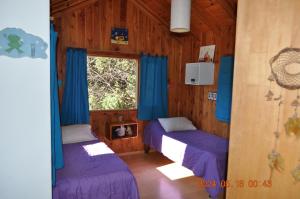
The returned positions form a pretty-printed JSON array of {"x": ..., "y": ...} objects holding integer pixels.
[
  {"x": 203, "y": 153},
  {"x": 93, "y": 171}
]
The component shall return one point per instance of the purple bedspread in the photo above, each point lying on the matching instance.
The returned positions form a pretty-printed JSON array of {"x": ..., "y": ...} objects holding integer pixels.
[
  {"x": 203, "y": 153},
  {"x": 92, "y": 171}
]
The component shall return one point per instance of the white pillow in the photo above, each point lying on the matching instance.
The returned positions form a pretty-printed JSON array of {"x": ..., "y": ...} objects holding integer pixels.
[
  {"x": 77, "y": 133},
  {"x": 176, "y": 124}
]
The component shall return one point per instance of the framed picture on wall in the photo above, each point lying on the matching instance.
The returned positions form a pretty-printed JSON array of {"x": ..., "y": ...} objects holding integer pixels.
[
  {"x": 119, "y": 36},
  {"x": 207, "y": 53}
]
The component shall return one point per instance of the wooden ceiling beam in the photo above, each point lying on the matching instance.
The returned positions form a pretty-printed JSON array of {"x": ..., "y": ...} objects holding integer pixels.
[
  {"x": 149, "y": 12},
  {"x": 55, "y": 1},
  {"x": 163, "y": 23},
  {"x": 229, "y": 9},
  {"x": 199, "y": 15},
  {"x": 206, "y": 19},
  {"x": 62, "y": 5}
]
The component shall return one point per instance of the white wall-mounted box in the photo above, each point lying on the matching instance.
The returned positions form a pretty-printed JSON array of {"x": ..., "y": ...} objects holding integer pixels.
[{"x": 201, "y": 73}]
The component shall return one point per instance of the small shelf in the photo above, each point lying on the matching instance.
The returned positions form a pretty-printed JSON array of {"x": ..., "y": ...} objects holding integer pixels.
[{"x": 113, "y": 128}]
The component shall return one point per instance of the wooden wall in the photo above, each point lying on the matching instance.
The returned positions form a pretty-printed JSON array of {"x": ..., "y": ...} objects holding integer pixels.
[
  {"x": 193, "y": 101},
  {"x": 263, "y": 29},
  {"x": 89, "y": 25}
]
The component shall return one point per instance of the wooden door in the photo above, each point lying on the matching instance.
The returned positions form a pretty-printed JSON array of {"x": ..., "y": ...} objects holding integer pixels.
[{"x": 263, "y": 29}]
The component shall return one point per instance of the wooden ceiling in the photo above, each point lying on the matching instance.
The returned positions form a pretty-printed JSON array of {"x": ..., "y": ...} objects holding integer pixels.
[{"x": 206, "y": 15}]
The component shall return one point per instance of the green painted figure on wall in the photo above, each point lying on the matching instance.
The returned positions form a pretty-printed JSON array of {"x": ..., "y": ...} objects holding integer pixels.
[{"x": 14, "y": 43}]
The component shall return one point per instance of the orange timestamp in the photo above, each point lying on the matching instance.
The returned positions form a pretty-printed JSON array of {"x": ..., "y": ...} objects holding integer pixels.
[{"x": 251, "y": 183}]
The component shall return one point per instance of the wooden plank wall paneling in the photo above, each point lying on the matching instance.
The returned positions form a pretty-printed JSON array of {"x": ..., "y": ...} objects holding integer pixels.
[
  {"x": 254, "y": 119},
  {"x": 89, "y": 26},
  {"x": 193, "y": 101}
]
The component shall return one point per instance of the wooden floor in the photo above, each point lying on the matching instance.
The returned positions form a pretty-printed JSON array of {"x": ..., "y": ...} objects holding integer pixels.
[{"x": 155, "y": 185}]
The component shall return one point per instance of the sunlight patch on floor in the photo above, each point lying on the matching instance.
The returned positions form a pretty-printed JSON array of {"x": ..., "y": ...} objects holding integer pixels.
[
  {"x": 97, "y": 149},
  {"x": 173, "y": 149},
  {"x": 175, "y": 171}
]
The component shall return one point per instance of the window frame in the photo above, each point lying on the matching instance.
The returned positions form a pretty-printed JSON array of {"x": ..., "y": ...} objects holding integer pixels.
[{"x": 115, "y": 54}]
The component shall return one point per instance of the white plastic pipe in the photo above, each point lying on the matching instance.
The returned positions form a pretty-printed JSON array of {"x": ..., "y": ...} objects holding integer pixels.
[{"x": 180, "y": 16}]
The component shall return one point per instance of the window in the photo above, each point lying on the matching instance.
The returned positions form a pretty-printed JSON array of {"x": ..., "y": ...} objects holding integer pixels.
[{"x": 112, "y": 83}]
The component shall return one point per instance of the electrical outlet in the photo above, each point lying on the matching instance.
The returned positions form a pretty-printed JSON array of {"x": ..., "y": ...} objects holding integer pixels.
[
  {"x": 209, "y": 96},
  {"x": 212, "y": 96}
]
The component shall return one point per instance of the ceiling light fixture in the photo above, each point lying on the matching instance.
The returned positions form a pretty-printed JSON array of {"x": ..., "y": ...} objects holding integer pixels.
[{"x": 180, "y": 16}]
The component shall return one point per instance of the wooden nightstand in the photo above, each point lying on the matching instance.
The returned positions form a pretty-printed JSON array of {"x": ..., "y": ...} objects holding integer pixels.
[{"x": 112, "y": 134}]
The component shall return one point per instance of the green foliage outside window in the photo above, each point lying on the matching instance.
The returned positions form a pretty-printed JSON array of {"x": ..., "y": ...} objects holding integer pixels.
[{"x": 112, "y": 83}]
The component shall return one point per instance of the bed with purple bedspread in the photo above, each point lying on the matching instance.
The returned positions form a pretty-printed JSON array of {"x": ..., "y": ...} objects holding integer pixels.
[
  {"x": 203, "y": 153},
  {"x": 93, "y": 171}
]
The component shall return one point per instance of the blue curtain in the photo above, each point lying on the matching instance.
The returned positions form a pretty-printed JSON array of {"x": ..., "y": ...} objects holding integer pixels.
[
  {"x": 223, "y": 105},
  {"x": 153, "y": 100},
  {"x": 75, "y": 106},
  {"x": 56, "y": 141}
]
